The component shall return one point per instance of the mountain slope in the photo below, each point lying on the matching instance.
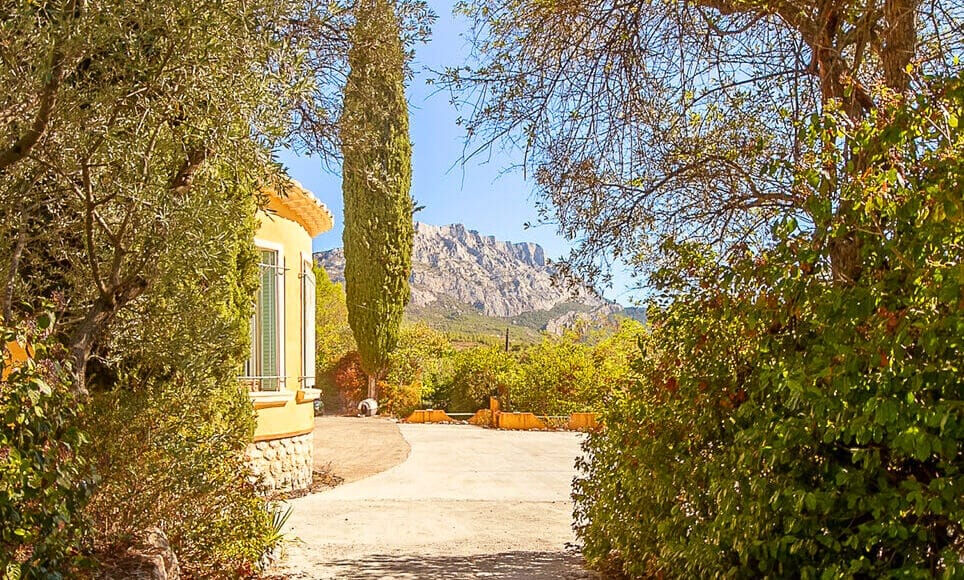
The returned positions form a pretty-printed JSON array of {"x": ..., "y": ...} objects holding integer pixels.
[{"x": 462, "y": 280}]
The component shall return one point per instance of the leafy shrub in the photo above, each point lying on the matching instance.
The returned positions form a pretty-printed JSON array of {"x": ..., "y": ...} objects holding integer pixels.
[
  {"x": 399, "y": 400},
  {"x": 574, "y": 373},
  {"x": 333, "y": 337},
  {"x": 347, "y": 384},
  {"x": 613, "y": 355},
  {"x": 419, "y": 356},
  {"x": 555, "y": 377},
  {"x": 414, "y": 369},
  {"x": 171, "y": 454},
  {"x": 786, "y": 422},
  {"x": 476, "y": 374},
  {"x": 168, "y": 421},
  {"x": 646, "y": 479},
  {"x": 44, "y": 476}
]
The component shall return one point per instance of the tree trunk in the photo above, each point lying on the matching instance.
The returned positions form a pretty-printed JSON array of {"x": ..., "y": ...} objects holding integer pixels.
[
  {"x": 372, "y": 387},
  {"x": 900, "y": 42},
  {"x": 838, "y": 83},
  {"x": 81, "y": 341}
]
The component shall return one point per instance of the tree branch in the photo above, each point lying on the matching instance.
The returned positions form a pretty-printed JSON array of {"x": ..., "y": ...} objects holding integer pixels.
[
  {"x": 900, "y": 42},
  {"x": 184, "y": 178},
  {"x": 48, "y": 99}
]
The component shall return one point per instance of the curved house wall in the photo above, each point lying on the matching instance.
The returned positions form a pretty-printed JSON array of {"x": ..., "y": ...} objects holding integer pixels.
[{"x": 281, "y": 454}]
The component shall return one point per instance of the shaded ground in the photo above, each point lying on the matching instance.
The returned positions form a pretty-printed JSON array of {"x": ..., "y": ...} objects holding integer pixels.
[
  {"x": 502, "y": 566},
  {"x": 467, "y": 503},
  {"x": 353, "y": 448}
]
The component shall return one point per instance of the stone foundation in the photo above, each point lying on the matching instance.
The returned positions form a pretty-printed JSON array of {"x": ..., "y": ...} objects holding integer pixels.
[{"x": 283, "y": 464}]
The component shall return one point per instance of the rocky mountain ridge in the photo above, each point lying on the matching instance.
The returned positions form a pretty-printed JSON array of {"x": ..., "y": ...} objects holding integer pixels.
[
  {"x": 500, "y": 279},
  {"x": 457, "y": 271}
]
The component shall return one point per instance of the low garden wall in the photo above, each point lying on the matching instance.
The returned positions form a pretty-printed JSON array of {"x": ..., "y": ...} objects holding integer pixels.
[
  {"x": 283, "y": 464},
  {"x": 492, "y": 417}
]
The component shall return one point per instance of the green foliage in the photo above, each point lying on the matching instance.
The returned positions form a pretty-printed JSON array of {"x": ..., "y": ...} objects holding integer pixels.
[
  {"x": 788, "y": 423},
  {"x": 646, "y": 479},
  {"x": 433, "y": 369},
  {"x": 334, "y": 342},
  {"x": 134, "y": 141},
  {"x": 477, "y": 374},
  {"x": 45, "y": 477},
  {"x": 554, "y": 377},
  {"x": 376, "y": 179},
  {"x": 333, "y": 337},
  {"x": 613, "y": 355},
  {"x": 161, "y": 109},
  {"x": 570, "y": 373},
  {"x": 171, "y": 454},
  {"x": 419, "y": 360},
  {"x": 194, "y": 321},
  {"x": 168, "y": 420}
]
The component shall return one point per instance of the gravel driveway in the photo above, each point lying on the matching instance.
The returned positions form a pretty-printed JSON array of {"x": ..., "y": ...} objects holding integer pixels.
[
  {"x": 466, "y": 503},
  {"x": 353, "y": 448}
]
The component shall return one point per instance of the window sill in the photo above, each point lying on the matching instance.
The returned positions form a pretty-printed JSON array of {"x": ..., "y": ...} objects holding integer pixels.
[
  {"x": 308, "y": 395},
  {"x": 265, "y": 399}
]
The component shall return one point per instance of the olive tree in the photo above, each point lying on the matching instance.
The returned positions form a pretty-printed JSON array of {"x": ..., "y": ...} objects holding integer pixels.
[{"x": 117, "y": 121}]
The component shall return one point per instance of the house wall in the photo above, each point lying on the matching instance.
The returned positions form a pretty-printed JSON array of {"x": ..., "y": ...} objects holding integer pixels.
[
  {"x": 296, "y": 244},
  {"x": 282, "y": 450}
]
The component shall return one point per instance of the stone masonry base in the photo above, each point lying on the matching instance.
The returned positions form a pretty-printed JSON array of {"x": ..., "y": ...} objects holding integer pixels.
[{"x": 283, "y": 464}]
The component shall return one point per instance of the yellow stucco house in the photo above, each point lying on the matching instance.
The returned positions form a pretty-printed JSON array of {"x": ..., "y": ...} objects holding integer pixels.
[{"x": 280, "y": 370}]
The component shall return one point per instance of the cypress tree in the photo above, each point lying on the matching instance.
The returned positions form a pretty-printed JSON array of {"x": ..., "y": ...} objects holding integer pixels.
[{"x": 376, "y": 179}]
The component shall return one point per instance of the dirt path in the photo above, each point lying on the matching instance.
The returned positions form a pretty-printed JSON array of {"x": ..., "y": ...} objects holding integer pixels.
[
  {"x": 466, "y": 503},
  {"x": 354, "y": 448}
]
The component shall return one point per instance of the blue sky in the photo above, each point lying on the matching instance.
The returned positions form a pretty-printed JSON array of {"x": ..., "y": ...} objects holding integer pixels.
[{"x": 480, "y": 194}]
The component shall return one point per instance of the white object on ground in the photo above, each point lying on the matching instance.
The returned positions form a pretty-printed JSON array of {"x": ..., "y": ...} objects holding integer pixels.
[{"x": 368, "y": 408}]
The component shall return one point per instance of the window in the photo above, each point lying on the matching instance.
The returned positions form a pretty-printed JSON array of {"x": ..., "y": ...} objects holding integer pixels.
[
  {"x": 307, "y": 325},
  {"x": 264, "y": 370}
]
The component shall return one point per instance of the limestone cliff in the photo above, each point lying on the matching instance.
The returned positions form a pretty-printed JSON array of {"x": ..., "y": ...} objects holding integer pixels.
[{"x": 452, "y": 264}]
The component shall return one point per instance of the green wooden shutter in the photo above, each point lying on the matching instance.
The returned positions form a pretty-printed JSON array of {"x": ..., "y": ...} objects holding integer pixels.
[
  {"x": 307, "y": 326},
  {"x": 268, "y": 306}
]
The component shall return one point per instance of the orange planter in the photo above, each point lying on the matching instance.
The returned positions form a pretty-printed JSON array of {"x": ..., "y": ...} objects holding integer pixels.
[
  {"x": 584, "y": 421},
  {"x": 429, "y": 416},
  {"x": 519, "y": 421}
]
